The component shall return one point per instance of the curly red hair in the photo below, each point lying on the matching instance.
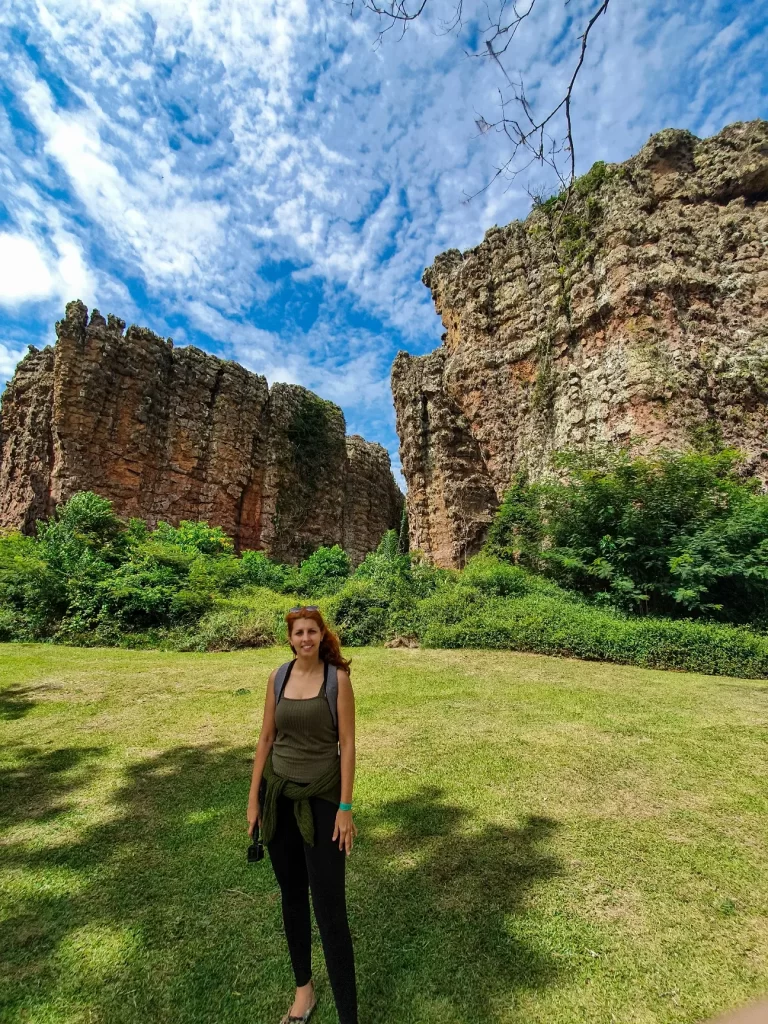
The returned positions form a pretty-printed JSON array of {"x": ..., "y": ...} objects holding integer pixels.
[{"x": 330, "y": 646}]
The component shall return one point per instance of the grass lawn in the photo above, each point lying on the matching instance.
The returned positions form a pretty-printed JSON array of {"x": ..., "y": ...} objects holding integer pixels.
[{"x": 540, "y": 840}]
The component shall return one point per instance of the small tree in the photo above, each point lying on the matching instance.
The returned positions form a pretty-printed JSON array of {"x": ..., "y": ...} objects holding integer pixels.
[{"x": 324, "y": 571}]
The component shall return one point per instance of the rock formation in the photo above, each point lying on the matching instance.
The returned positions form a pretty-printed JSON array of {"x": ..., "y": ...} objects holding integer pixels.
[
  {"x": 174, "y": 433},
  {"x": 637, "y": 306}
]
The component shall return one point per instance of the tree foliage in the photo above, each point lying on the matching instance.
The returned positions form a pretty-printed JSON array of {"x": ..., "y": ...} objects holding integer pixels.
[{"x": 673, "y": 534}]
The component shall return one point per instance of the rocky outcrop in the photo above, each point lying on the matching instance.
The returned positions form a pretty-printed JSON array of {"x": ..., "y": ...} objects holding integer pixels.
[
  {"x": 370, "y": 492},
  {"x": 635, "y": 307},
  {"x": 174, "y": 433}
]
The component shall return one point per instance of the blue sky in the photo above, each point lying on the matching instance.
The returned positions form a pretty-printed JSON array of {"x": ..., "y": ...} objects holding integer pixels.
[{"x": 263, "y": 180}]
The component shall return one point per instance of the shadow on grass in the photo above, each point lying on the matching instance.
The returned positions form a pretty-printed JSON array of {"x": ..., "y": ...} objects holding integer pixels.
[
  {"x": 17, "y": 701},
  {"x": 39, "y": 785},
  {"x": 154, "y": 915}
]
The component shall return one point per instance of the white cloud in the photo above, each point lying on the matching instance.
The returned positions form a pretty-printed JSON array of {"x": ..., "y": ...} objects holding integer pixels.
[
  {"x": 154, "y": 216},
  {"x": 75, "y": 278},
  {"x": 24, "y": 273},
  {"x": 30, "y": 272},
  {"x": 9, "y": 357}
]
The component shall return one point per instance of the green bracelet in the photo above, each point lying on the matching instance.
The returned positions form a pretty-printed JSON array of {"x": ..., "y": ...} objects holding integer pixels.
[{"x": 345, "y": 807}]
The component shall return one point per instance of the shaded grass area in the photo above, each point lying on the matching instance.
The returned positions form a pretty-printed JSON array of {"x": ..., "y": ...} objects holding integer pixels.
[{"x": 540, "y": 840}]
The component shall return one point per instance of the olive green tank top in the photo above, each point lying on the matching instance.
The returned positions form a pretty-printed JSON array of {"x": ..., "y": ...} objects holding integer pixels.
[{"x": 306, "y": 744}]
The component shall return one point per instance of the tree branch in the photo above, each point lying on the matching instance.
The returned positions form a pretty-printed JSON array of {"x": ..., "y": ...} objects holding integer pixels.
[{"x": 535, "y": 133}]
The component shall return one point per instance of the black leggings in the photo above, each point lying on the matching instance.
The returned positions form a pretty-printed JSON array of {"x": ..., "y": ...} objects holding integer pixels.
[{"x": 320, "y": 868}]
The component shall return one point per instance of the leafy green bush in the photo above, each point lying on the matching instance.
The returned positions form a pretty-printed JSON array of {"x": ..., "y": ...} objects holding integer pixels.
[
  {"x": 215, "y": 575},
  {"x": 672, "y": 534},
  {"x": 136, "y": 595},
  {"x": 12, "y": 626},
  {"x": 32, "y": 592},
  {"x": 324, "y": 571},
  {"x": 385, "y": 605},
  {"x": 726, "y": 563},
  {"x": 359, "y": 611},
  {"x": 229, "y": 629},
  {"x": 496, "y": 578},
  {"x": 85, "y": 521},
  {"x": 89, "y": 579},
  {"x": 194, "y": 538},
  {"x": 255, "y": 618},
  {"x": 449, "y": 606},
  {"x": 260, "y": 571},
  {"x": 547, "y": 625}
]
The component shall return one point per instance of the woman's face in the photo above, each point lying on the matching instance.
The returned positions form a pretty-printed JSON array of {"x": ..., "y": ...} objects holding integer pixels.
[{"x": 306, "y": 636}]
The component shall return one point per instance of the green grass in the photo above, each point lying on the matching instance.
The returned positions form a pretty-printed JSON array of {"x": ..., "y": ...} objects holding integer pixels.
[{"x": 540, "y": 840}]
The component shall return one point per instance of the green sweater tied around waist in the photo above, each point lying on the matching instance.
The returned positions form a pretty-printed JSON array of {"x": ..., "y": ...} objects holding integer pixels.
[{"x": 326, "y": 786}]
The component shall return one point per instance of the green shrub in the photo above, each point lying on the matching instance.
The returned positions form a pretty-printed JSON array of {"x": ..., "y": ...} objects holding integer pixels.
[
  {"x": 325, "y": 571},
  {"x": 85, "y": 521},
  {"x": 32, "y": 592},
  {"x": 359, "y": 612},
  {"x": 725, "y": 565},
  {"x": 449, "y": 606},
  {"x": 230, "y": 629},
  {"x": 253, "y": 618},
  {"x": 89, "y": 579},
  {"x": 163, "y": 552},
  {"x": 215, "y": 575},
  {"x": 188, "y": 605},
  {"x": 673, "y": 534},
  {"x": 13, "y": 626},
  {"x": 424, "y": 578},
  {"x": 496, "y": 578},
  {"x": 137, "y": 596},
  {"x": 260, "y": 571},
  {"x": 548, "y": 626},
  {"x": 196, "y": 538}
]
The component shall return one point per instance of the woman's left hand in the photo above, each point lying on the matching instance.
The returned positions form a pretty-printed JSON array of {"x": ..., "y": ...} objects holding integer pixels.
[{"x": 345, "y": 829}]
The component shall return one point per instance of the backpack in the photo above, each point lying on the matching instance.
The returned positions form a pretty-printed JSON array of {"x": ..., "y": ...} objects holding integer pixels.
[{"x": 330, "y": 678}]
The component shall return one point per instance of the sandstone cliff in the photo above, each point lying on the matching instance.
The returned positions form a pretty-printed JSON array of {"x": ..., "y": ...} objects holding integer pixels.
[
  {"x": 637, "y": 306},
  {"x": 174, "y": 433}
]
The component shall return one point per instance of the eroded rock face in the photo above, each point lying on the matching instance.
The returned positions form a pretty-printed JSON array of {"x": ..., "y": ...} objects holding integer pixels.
[
  {"x": 174, "y": 433},
  {"x": 371, "y": 493},
  {"x": 640, "y": 309}
]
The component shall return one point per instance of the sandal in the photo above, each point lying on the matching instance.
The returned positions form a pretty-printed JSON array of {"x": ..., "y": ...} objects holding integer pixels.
[{"x": 289, "y": 1018}]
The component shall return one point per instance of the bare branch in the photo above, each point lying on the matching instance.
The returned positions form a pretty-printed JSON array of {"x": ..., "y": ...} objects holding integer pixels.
[
  {"x": 397, "y": 10},
  {"x": 535, "y": 133},
  {"x": 600, "y": 11}
]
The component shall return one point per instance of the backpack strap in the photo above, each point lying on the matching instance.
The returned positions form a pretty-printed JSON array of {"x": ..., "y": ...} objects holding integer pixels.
[
  {"x": 281, "y": 678},
  {"x": 332, "y": 692}
]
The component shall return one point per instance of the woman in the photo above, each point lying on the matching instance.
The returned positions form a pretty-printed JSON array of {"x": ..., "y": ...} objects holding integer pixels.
[{"x": 308, "y": 764}]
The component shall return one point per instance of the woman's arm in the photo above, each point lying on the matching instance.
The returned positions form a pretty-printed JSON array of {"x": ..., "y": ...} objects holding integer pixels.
[
  {"x": 345, "y": 710},
  {"x": 263, "y": 747}
]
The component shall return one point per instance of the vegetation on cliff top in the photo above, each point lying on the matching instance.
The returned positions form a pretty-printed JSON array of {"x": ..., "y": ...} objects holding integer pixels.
[{"x": 573, "y": 214}]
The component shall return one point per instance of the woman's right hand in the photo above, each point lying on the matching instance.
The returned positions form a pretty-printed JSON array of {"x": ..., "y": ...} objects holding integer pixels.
[{"x": 254, "y": 817}]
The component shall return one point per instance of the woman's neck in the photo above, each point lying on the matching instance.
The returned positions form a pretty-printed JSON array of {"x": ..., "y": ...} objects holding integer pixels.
[{"x": 307, "y": 663}]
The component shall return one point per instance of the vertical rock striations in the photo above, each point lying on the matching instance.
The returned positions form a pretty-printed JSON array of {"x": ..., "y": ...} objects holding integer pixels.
[
  {"x": 174, "y": 433},
  {"x": 636, "y": 308},
  {"x": 26, "y": 443},
  {"x": 370, "y": 495}
]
